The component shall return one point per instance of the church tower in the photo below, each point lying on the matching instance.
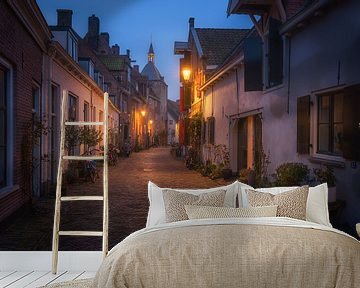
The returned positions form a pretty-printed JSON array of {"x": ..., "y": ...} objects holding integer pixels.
[
  {"x": 151, "y": 54},
  {"x": 160, "y": 89}
]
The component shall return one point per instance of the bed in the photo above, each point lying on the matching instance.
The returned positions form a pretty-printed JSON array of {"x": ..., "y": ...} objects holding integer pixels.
[{"x": 234, "y": 251}]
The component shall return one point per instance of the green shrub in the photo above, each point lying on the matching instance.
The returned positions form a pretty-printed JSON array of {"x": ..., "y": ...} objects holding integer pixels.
[
  {"x": 325, "y": 175},
  {"x": 291, "y": 174}
]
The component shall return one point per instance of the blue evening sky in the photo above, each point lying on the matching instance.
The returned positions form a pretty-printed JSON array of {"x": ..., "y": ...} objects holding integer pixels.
[{"x": 132, "y": 23}]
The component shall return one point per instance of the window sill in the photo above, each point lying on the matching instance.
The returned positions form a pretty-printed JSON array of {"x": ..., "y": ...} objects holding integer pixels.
[
  {"x": 8, "y": 190},
  {"x": 274, "y": 88},
  {"x": 335, "y": 161}
]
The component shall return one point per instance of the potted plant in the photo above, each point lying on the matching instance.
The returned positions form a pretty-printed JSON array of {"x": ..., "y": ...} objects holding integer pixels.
[
  {"x": 247, "y": 176},
  {"x": 222, "y": 159},
  {"x": 291, "y": 174},
  {"x": 326, "y": 175}
]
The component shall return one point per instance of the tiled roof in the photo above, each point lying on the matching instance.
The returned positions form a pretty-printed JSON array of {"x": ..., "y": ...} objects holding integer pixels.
[
  {"x": 151, "y": 72},
  {"x": 216, "y": 44},
  {"x": 113, "y": 63}
]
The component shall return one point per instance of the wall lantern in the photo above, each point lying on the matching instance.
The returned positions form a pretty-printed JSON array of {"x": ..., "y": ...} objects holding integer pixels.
[
  {"x": 151, "y": 121},
  {"x": 186, "y": 72}
]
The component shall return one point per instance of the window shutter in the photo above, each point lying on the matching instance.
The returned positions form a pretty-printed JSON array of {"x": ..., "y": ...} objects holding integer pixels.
[
  {"x": 303, "y": 124},
  {"x": 187, "y": 131},
  {"x": 187, "y": 97},
  {"x": 211, "y": 123},
  {"x": 351, "y": 138},
  {"x": 275, "y": 54},
  {"x": 203, "y": 132},
  {"x": 253, "y": 64},
  {"x": 181, "y": 99}
]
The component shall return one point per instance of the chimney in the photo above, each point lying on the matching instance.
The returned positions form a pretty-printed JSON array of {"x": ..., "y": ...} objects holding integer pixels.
[
  {"x": 64, "y": 17},
  {"x": 191, "y": 22},
  {"x": 93, "y": 26},
  {"x": 128, "y": 52},
  {"x": 105, "y": 36},
  {"x": 115, "y": 49},
  {"x": 93, "y": 32},
  {"x": 136, "y": 68}
]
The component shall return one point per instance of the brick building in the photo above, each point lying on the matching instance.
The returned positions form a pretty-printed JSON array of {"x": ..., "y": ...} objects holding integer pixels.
[
  {"x": 36, "y": 64},
  {"x": 25, "y": 36}
]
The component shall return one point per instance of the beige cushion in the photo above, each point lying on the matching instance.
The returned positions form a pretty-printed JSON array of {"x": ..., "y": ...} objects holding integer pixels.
[
  {"x": 175, "y": 201},
  {"x": 156, "y": 214},
  {"x": 317, "y": 203},
  {"x": 201, "y": 212},
  {"x": 290, "y": 204}
]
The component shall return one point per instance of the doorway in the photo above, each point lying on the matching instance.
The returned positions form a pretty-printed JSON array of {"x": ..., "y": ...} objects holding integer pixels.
[{"x": 242, "y": 143}]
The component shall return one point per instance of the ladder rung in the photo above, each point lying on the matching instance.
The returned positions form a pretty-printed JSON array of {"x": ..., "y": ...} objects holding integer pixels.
[
  {"x": 80, "y": 233},
  {"x": 82, "y": 198},
  {"x": 83, "y": 123},
  {"x": 83, "y": 157}
]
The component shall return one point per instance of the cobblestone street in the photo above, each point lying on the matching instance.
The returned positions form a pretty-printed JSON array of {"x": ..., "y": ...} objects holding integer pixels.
[{"x": 31, "y": 228}]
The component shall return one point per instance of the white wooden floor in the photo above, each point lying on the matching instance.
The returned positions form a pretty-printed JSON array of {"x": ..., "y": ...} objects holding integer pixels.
[
  {"x": 32, "y": 269},
  {"x": 32, "y": 279}
]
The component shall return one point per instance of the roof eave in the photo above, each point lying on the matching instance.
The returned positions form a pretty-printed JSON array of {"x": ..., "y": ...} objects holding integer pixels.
[
  {"x": 181, "y": 47},
  {"x": 303, "y": 15},
  {"x": 197, "y": 42},
  {"x": 222, "y": 71}
]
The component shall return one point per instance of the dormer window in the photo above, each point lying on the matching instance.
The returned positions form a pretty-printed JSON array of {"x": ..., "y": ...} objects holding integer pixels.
[
  {"x": 72, "y": 47},
  {"x": 88, "y": 66}
]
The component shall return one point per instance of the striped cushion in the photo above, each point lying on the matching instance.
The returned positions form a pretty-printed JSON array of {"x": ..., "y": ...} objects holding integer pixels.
[{"x": 201, "y": 212}]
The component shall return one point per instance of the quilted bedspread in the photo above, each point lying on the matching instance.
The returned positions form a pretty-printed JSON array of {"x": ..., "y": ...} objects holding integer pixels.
[{"x": 253, "y": 252}]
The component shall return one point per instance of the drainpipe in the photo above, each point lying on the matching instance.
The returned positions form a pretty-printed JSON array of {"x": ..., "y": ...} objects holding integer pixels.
[
  {"x": 212, "y": 101},
  {"x": 288, "y": 90},
  {"x": 237, "y": 90}
]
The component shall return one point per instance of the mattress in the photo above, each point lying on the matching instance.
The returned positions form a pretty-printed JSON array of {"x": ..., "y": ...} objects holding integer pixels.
[{"x": 233, "y": 252}]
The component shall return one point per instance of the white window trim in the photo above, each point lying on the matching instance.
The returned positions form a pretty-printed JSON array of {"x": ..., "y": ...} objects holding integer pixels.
[
  {"x": 314, "y": 127},
  {"x": 10, "y": 130}
]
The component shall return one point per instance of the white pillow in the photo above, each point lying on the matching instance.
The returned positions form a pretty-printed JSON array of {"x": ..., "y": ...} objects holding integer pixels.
[
  {"x": 316, "y": 207},
  {"x": 156, "y": 214}
]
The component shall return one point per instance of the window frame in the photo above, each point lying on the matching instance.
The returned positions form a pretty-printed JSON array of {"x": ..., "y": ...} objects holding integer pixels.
[
  {"x": 72, "y": 96},
  {"x": 86, "y": 111},
  {"x": 9, "y": 186},
  {"x": 54, "y": 134},
  {"x": 314, "y": 116},
  {"x": 36, "y": 149},
  {"x": 331, "y": 123}
]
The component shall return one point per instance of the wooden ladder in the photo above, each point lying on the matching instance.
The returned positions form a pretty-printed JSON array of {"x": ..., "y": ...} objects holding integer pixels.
[{"x": 59, "y": 198}]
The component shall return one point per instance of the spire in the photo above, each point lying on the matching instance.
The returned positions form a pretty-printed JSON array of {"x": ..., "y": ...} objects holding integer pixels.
[{"x": 151, "y": 54}]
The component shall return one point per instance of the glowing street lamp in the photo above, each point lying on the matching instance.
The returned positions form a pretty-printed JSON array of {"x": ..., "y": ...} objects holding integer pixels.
[
  {"x": 151, "y": 121},
  {"x": 186, "y": 72},
  {"x": 143, "y": 113}
]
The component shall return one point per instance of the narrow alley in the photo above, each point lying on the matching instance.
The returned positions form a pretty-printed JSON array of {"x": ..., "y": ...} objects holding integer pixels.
[{"x": 31, "y": 228}]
